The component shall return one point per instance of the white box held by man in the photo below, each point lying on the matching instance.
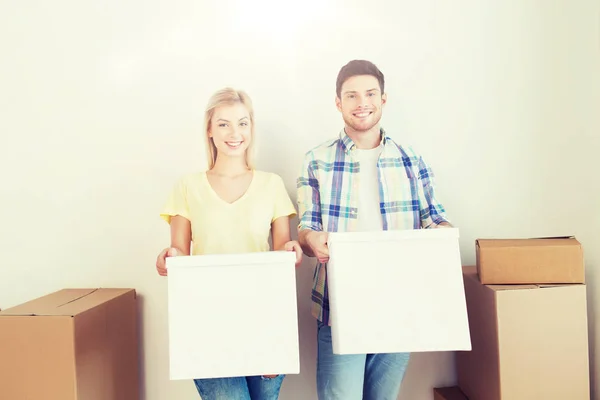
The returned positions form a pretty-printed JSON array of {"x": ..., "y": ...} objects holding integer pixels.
[
  {"x": 397, "y": 291},
  {"x": 233, "y": 315}
]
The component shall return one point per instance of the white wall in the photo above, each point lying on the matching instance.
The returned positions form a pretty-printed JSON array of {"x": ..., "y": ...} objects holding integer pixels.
[{"x": 101, "y": 110}]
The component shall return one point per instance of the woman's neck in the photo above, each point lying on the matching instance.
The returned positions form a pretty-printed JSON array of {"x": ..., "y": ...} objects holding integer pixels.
[{"x": 230, "y": 167}]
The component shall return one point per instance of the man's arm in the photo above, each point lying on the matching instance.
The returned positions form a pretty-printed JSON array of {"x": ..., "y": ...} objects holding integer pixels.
[
  {"x": 303, "y": 240},
  {"x": 433, "y": 214},
  {"x": 309, "y": 204}
]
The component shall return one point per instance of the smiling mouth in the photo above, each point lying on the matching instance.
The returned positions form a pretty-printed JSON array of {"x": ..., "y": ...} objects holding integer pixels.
[
  {"x": 363, "y": 114},
  {"x": 234, "y": 145}
]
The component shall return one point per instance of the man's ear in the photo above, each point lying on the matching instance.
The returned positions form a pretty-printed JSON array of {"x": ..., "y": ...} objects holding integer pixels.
[
  {"x": 383, "y": 99},
  {"x": 338, "y": 103}
]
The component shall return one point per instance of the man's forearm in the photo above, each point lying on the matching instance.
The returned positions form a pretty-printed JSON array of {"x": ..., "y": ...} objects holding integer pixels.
[{"x": 302, "y": 239}]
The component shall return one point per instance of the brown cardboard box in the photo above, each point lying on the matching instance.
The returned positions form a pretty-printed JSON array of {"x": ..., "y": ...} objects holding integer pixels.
[
  {"x": 528, "y": 341},
  {"x": 449, "y": 393},
  {"x": 74, "y": 344},
  {"x": 530, "y": 261}
]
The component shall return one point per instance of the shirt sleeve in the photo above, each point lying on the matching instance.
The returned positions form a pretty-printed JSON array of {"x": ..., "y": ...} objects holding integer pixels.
[
  {"x": 283, "y": 206},
  {"x": 431, "y": 210},
  {"x": 309, "y": 200},
  {"x": 176, "y": 203}
]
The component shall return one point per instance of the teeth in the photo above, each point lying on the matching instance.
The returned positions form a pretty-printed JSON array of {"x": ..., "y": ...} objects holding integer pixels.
[
  {"x": 362, "y": 115},
  {"x": 233, "y": 144}
]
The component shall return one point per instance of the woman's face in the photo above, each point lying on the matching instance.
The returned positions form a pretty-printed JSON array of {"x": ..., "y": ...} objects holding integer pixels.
[{"x": 231, "y": 130}]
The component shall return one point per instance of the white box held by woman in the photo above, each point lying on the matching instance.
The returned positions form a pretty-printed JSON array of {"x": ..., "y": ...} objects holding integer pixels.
[
  {"x": 232, "y": 315},
  {"x": 397, "y": 291}
]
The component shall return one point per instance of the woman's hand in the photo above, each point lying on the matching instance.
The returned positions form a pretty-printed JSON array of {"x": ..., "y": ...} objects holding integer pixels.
[
  {"x": 293, "y": 245},
  {"x": 161, "y": 260}
]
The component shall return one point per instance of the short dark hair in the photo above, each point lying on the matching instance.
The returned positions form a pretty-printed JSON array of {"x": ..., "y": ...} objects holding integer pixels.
[{"x": 358, "y": 67}]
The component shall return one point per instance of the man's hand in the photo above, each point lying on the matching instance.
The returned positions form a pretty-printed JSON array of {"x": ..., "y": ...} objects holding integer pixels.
[
  {"x": 161, "y": 260},
  {"x": 317, "y": 241},
  {"x": 295, "y": 247}
]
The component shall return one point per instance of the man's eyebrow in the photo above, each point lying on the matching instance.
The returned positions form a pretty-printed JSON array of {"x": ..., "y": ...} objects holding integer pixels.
[{"x": 354, "y": 91}]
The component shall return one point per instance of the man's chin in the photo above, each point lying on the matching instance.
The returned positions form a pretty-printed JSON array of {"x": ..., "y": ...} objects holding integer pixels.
[{"x": 362, "y": 126}]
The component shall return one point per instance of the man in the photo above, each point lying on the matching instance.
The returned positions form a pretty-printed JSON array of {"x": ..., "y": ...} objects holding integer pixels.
[{"x": 360, "y": 181}]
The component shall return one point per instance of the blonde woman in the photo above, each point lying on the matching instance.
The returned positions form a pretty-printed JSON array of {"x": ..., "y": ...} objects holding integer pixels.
[{"x": 230, "y": 208}]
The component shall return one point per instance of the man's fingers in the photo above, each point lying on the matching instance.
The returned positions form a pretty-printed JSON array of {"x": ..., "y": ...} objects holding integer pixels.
[
  {"x": 323, "y": 257},
  {"x": 323, "y": 252}
]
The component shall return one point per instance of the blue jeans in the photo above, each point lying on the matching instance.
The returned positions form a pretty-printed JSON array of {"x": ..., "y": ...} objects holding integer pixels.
[
  {"x": 357, "y": 376},
  {"x": 240, "y": 388}
]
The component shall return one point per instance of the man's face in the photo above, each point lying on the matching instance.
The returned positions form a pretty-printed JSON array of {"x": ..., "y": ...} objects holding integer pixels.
[{"x": 361, "y": 102}]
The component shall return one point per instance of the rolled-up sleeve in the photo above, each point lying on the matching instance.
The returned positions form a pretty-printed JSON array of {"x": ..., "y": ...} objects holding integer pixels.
[
  {"x": 431, "y": 210},
  {"x": 308, "y": 197}
]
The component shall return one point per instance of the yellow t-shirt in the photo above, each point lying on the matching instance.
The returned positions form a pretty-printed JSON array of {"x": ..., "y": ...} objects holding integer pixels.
[{"x": 219, "y": 227}]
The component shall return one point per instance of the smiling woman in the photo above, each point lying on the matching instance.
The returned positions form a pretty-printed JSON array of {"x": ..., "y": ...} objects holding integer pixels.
[{"x": 231, "y": 208}]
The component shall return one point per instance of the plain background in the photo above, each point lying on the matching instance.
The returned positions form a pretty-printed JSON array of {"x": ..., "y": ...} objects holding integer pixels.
[{"x": 101, "y": 110}]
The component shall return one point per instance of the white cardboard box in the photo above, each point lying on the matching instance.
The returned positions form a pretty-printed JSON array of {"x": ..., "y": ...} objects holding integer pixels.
[
  {"x": 397, "y": 291},
  {"x": 232, "y": 315}
]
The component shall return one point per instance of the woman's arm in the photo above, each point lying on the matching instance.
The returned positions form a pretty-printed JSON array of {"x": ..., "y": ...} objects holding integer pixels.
[
  {"x": 181, "y": 236},
  {"x": 280, "y": 232}
]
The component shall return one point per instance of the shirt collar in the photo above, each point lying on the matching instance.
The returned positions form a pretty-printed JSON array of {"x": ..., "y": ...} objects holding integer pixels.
[{"x": 349, "y": 145}]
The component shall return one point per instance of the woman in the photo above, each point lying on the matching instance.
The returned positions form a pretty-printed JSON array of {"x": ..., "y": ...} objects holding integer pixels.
[{"x": 230, "y": 208}]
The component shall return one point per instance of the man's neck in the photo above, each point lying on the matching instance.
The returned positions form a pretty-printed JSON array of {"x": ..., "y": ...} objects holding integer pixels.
[{"x": 366, "y": 139}]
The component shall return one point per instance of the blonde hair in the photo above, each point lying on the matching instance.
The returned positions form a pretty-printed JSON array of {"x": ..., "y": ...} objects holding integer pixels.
[{"x": 227, "y": 97}]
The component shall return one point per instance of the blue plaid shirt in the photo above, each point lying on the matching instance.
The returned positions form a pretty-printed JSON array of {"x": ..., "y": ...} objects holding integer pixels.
[{"x": 328, "y": 196}]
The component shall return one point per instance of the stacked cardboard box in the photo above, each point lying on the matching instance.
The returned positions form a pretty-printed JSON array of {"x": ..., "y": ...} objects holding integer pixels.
[
  {"x": 526, "y": 302},
  {"x": 74, "y": 344}
]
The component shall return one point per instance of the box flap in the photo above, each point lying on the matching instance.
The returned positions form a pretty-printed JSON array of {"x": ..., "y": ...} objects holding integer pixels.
[
  {"x": 470, "y": 271},
  {"x": 555, "y": 285},
  {"x": 65, "y": 302},
  {"x": 555, "y": 237},
  {"x": 499, "y": 288},
  {"x": 549, "y": 241}
]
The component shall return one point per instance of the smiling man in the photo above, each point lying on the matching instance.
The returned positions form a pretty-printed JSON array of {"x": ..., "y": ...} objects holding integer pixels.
[{"x": 360, "y": 181}]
